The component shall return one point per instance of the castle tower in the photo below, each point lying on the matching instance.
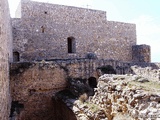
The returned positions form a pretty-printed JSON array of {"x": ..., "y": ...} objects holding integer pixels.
[
  {"x": 141, "y": 53},
  {"x": 5, "y": 58}
]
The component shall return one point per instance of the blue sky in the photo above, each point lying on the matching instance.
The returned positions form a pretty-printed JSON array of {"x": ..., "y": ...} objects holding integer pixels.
[{"x": 144, "y": 13}]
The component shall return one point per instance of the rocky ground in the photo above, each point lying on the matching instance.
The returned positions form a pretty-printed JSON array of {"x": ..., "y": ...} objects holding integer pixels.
[{"x": 118, "y": 97}]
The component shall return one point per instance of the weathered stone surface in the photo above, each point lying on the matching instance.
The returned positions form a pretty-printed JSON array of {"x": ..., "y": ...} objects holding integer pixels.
[
  {"x": 126, "y": 103},
  {"x": 62, "y": 112},
  {"x": 34, "y": 85},
  {"x": 41, "y": 33},
  {"x": 148, "y": 72},
  {"x": 43, "y": 30},
  {"x": 44, "y": 78},
  {"x": 141, "y": 53},
  {"x": 5, "y": 58}
]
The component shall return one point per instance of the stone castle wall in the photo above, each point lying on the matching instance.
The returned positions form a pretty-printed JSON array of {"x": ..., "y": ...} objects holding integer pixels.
[
  {"x": 35, "y": 83},
  {"x": 5, "y": 57},
  {"x": 43, "y": 30},
  {"x": 42, "y": 33}
]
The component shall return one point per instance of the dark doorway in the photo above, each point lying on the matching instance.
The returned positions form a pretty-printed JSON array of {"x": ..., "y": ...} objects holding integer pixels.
[
  {"x": 108, "y": 69},
  {"x": 16, "y": 57},
  {"x": 71, "y": 45},
  {"x": 92, "y": 81}
]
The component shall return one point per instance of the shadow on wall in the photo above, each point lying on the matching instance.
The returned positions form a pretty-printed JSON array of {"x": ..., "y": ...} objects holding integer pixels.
[
  {"x": 77, "y": 89},
  {"x": 108, "y": 69},
  {"x": 16, "y": 107},
  {"x": 92, "y": 81},
  {"x": 62, "y": 111}
]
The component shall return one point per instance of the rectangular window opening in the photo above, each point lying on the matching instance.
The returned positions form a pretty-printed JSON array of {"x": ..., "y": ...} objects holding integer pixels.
[{"x": 71, "y": 45}]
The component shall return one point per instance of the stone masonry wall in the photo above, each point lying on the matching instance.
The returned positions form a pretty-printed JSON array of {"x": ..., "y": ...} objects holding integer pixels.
[
  {"x": 5, "y": 57},
  {"x": 34, "y": 84},
  {"x": 43, "y": 30},
  {"x": 141, "y": 53}
]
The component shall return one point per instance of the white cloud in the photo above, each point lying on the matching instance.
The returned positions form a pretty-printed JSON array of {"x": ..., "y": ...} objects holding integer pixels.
[{"x": 148, "y": 32}]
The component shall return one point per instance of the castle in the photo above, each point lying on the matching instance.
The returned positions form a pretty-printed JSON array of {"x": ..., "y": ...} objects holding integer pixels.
[
  {"x": 75, "y": 40},
  {"x": 47, "y": 31}
]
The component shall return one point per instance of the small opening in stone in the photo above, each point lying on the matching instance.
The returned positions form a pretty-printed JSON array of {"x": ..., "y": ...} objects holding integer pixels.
[
  {"x": 31, "y": 91},
  {"x": 45, "y": 12},
  {"x": 71, "y": 45},
  {"x": 16, "y": 108},
  {"x": 108, "y": 69},
  {"x": 42, "y": 29},
  {"x": 92, "y": 81},
  {"x": 16, "y": 57}
]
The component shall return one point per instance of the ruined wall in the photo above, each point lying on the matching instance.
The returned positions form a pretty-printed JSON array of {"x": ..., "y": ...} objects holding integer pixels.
[
  {"x": 147, "y": 70},
  {"x": 43, "y": 30},
  {"x": 34, "y": 84},
  {"x": 141, "y": 53},
  {"x": 5, "y": 57},
  {"x": 120, "y": 97}
]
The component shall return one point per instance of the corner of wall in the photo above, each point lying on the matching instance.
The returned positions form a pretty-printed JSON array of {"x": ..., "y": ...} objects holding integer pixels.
[{"x": 6, "y": 57}]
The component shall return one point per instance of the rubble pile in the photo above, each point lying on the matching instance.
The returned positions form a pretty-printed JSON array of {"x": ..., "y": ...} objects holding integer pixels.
[{"x": 119, "y": 97}]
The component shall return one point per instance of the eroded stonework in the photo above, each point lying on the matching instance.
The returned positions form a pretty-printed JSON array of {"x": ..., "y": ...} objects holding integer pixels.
[
  {"x": 118, "y": 97},
  {"x": 36, "y": 83},
  {"x": 5, "y": 58},
  {"x": 52, "y": 43}
]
